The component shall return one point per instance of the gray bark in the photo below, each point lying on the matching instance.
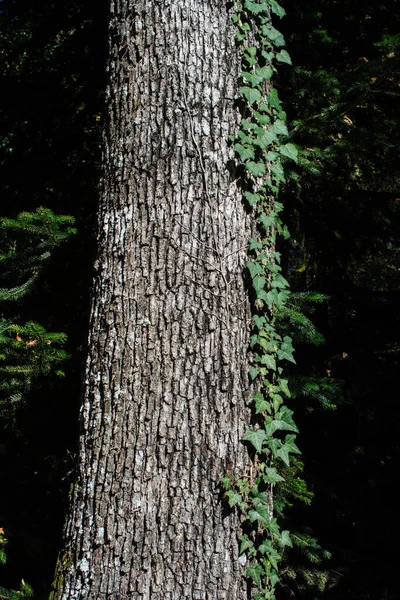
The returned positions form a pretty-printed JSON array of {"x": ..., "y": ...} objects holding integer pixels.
[{"x": 166, "y": 391}]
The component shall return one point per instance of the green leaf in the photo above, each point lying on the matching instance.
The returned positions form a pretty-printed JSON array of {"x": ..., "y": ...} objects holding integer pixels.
[
  {"x": 277, "y": 9},
  {"x": 233, "y": 498},
  {"x": 262, "y": 405},
  {"x": 275, "y": 445},
  {"x": 255, "y": 572},
  {"x": 273, "y": 34},
  {"x": 244, "y": 151},
  {"x": 273, "y": 99},
  {"x": 261, "y": 515},
  {"x": 245, "y": 544},
  {"x": 271, "y": 475},
  {"x": 259, "y": 283},
  {"x": 266, "y": 221},
  {"x": 252, "y": 198},
  {"x": 279, "y": 127},
  {"x": 284, "y": 57},
  {"x": 284, "y": 387},
  {"x": 265, "y": 547},
  {"x": 226, "y": 482},
  {"x": 251, "y": 94},
  {"x": 269, "y": 361},
  {"x": 285, "y": 539},
  {"x": 254, "y": 372},
  {"x": 290, "y": 151},
  {"x": 255, "y": 437},
  {"x": 289, "y": 441},
  {"x": 254, "y": 268},
  {"x": 256, "y": 168},
  {"x": 254, "y": 244},
  {"x": 256, "y": 8}
]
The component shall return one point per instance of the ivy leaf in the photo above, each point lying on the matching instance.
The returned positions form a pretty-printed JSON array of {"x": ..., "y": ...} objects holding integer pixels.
[
  {"x": 256, "y": 168},
  {"x": 233, "y": 498},
  {"x": 259, "y": 283},
  {"x": 255, "y": 437},
  {"x": 279, "y": 281},
  {"x": 290, "y": 151},
  {"x": 271, "y": 475},
  {"x": 258, "y": 321},
  {"x": 277, "y": 9},
  {"x": 264, "y": 73},
  {"x": 226, "y": 482},
  {"x": 252, "y": 198},
  {"x": 265, "y": 547},
  {"x": 256, "y": 8},
  {"x": 262, "y": 405},
  {"x": 285, "y": 539},
  {"x": 275, "y": 446},
  {"x": 251, "y": 94},
  {"x": 262, "y": 119},
  {"x": 261, "y": 515},
  {"x": 266, "y": 221},
  {"x": 245, "y": 544},
  {"x": 286, "y": 350},
  {"x": 286, "y": 415},
  {"x": 289, "y": 441},
  {"x": 273, "y": 99},
  {"x": 269, "y": 361},
  {"x": 284, "y": 57},
  {"x": 284, "y": 387},
  {"x": 265, "y": 138},
  {"x": 279, "y": 127},
  {"x": 255, "y": 268},
  {"x": 254, "y": 244},
  {"x": 244, "y": 151},
  {"x": 253, "y": 372},
  {"x": 255, "y": 571},
  {"x": 273, "y": 34}
]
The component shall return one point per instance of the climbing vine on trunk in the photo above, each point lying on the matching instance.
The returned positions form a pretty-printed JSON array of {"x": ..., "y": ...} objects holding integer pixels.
[{"x": 261, "y": 146}]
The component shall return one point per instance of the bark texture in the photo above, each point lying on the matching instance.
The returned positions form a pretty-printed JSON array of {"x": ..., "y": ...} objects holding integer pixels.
[{"x": 166, "y": 391}]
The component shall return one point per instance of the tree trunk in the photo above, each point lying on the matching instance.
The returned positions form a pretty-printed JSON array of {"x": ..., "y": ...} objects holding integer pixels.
[{"x": 166, "y": 391}]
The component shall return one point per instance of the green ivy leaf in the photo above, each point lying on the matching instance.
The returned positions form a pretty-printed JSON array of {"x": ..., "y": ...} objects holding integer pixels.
[
  {"x": 254, "y": 244},
  {"x": 279, "y": 127},
  {"x": 244, "y": 152},
  {"x": 273, "y": 34},
  {"x": 252, "y": 198},
  {"x": 255, "y": 268},
  {"x": 273, "y": 99},
  {"x": 259, "y": 283},
  {"x": 245, "y": 544},
  {"x": 226, "y": 482},
  {"x": 290, "y": 151},
  {"x": 255, "y": 437},
  {"x": 266, "y": 547},
  {"x": 284, "y": 387},
  {"x": 269, "y": 361},
  {"x": 277, "y": 9},
  {"x": 256, "y": 168},
  {"x": 233, "y": 498},
  {"x": 255, "y": 571},
  {"x": 284, "y": 57},
  {"x": 271, "y": 475},
  {"x": 253, "y": 372},
  {"x": 251, "y": 94},
  {"x": 286, "y": 539},
  {"x": 256, "y": 8},
  {"x": 262, "y": 405},
  {"x": 261, "y": 515}
]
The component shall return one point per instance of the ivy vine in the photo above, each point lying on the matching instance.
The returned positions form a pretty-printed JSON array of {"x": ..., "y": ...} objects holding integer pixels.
[{"x": 260, "y": 145}]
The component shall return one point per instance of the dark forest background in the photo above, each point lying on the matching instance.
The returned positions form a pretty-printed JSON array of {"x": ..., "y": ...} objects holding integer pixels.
[{"x": 342, "y": 206}]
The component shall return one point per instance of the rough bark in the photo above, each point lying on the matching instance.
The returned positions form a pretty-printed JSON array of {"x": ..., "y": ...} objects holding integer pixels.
[{"x": 166, "y": 389}]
